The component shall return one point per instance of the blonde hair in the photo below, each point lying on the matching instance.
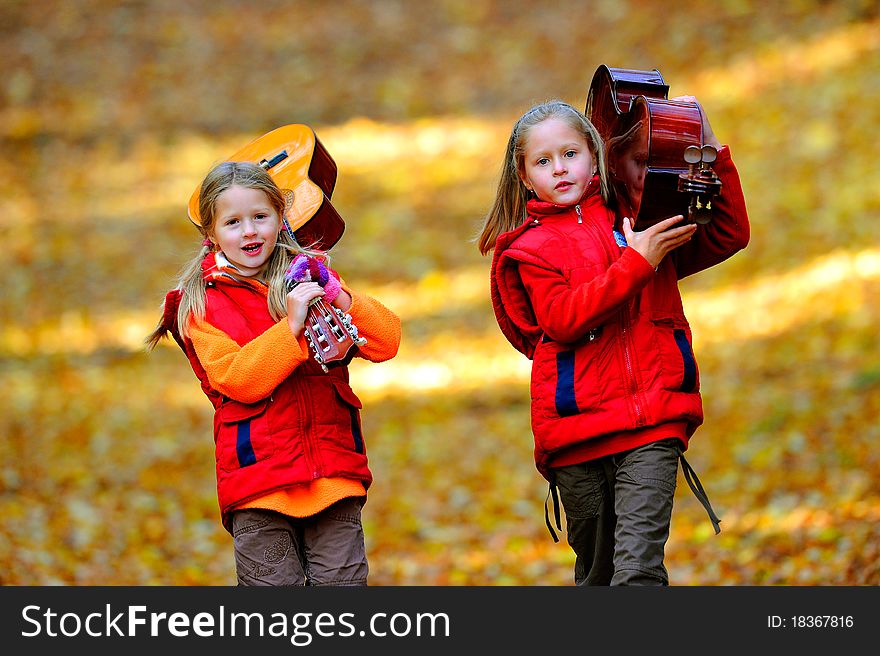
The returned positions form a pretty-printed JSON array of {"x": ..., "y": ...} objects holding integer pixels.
[
  {"x": 191, "y": 282},
  {"x": 509, "y": 209}
]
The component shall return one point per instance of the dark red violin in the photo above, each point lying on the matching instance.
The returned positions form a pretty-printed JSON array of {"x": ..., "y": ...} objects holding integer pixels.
[{"x": 657, "y": 163}]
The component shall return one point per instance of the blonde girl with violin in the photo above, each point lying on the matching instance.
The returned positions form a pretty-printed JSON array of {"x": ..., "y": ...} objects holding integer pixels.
[
  {"x": 291, "y": 462},
  {"x": 614, "y": 383}
]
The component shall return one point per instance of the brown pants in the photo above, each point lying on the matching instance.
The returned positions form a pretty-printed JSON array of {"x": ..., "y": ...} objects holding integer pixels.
[{"x": 325, "y": 549}]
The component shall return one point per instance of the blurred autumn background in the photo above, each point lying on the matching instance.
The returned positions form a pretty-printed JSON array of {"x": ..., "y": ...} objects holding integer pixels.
[{"x": 112, "y": 112}]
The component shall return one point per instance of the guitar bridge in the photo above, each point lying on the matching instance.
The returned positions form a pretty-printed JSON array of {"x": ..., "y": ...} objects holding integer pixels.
[{"x": 269, "y": 163}]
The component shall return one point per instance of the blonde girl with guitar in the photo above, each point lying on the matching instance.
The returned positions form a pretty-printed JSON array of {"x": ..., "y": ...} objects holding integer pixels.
[{"x": 291, "y": 462}]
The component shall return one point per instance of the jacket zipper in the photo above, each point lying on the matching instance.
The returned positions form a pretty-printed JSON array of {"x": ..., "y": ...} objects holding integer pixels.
[
  {"x": 631, "y": 382},
  {"x": 308, "y": 445},
  {"x": 308, "y": 442}
]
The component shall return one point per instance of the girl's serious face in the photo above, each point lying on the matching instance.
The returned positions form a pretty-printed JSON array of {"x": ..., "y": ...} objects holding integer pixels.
[
  {"x": 245, "y": 228},
  {"x": 557, "y": 163}
]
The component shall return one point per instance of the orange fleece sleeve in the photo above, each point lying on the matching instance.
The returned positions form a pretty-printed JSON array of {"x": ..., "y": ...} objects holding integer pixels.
[
  {"x": 377, "y": 324},
  {"x": 251, "y": 372}
]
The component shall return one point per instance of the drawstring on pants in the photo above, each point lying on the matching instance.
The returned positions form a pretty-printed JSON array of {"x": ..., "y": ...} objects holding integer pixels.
[
  {"x": 697, "y": 488},
  {"x": 555, "y": 494},
  {"x": 690, "y": 476}
]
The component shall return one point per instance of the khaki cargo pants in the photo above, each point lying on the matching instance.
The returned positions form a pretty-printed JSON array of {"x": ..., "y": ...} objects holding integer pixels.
[{"x": 618, "y": 510}]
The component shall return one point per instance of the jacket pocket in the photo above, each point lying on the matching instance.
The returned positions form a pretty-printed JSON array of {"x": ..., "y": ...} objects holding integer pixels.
[
  {"x": 563, "y": 378},
  {"x": 674, "y": 348},
  {"x": 241, "y": 432},
  {"x": 564, "y": 398},
  {"x": 350, "y": 422}
]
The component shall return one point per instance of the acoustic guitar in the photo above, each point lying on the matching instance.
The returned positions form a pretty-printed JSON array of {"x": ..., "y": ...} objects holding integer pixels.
[
  {"x": 654, "y": 147},
  {"x": 301, "y": 166}
]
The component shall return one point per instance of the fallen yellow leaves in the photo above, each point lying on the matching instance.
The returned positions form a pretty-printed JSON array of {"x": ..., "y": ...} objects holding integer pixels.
[{"x": 106, "y": 465}]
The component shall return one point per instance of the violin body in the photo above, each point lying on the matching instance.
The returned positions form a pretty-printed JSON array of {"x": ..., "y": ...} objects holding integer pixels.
[
  {"x": 301, "y": 166},
  {"x": 646, "y": 136}
]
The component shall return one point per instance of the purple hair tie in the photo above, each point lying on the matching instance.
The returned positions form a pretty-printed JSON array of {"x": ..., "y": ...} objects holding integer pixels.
[
  {"x": 331, "y": 289},
  {"x": 310, "y": 269}
]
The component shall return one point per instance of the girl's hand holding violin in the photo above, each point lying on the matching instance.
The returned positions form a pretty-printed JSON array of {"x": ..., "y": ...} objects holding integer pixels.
[
  {"x": 655, "y": 242},
  {"x": 298, "y": 300}
]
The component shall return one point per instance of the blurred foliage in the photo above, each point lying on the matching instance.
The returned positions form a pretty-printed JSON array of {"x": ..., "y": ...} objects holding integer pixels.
[{"x": 111, "y": 113}]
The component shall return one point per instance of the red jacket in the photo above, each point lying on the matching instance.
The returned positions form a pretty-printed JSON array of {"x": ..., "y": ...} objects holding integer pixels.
[
  {"x": 613, "y": 366},
  {"x": 308, "y": 424}
]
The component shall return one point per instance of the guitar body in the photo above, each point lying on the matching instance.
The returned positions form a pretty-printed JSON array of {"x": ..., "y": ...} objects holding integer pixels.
[
  {"x": 645, "y": 137},
  {"x": 300, "y": 165}
]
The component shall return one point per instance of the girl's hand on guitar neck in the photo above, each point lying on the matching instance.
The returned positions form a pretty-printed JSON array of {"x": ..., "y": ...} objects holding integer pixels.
[
  {"x": 708, "y": 134},
  {"x": 655, "y": 242},
  {"x": 298, "y": 300}
]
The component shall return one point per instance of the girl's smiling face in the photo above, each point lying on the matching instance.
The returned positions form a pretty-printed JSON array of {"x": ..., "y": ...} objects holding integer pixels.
[
  {"x": 245, "y": 228},
  {"x": 557, "y": 162}
]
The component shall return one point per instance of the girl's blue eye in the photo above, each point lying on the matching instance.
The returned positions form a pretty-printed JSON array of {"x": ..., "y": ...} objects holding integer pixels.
[{"x": 570, "y": 153}]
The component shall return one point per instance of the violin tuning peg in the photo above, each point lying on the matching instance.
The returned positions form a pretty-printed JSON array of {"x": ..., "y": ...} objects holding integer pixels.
[
  {"x": 692, "y": 154},
  {"x": 708, "y": 154},
  {"x": 703, "y": 216}
]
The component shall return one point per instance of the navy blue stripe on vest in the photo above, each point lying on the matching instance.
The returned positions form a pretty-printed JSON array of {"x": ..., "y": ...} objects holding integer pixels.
[
  {"x": 356, "y": 430},
  {"x": 690, "y": 365},
  {"x": 566, "y": 404},
  {"x": 243, "y": 446}
]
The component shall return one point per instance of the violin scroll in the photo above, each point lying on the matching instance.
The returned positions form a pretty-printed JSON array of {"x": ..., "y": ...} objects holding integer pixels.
[{"x": 700, "y": 182}]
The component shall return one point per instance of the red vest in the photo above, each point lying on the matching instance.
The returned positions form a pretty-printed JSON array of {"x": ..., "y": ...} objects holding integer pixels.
[{"x": 308, "y": 428}]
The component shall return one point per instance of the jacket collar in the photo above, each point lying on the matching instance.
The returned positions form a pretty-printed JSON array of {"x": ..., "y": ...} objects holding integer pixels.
[
  {"x": 540, "y": 209},
  {"x": 209, "y": 266},
  {"x": 215, "y": 266}
]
